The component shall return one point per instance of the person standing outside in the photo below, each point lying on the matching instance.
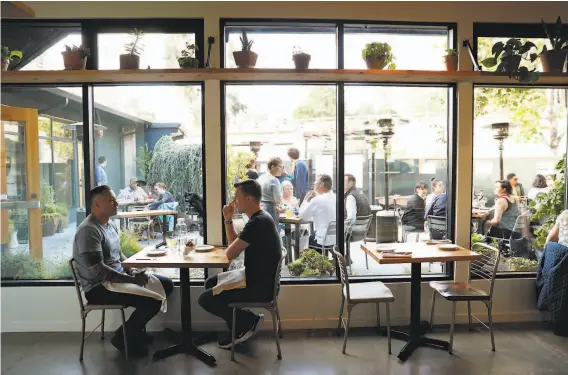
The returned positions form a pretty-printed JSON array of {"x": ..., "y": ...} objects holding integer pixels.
[
  {"x": 301, "y": 173},
  {"x": 100, "y": 174},
  {"x": 518, "y": 190},
  {"x": 271, "y": 195}
]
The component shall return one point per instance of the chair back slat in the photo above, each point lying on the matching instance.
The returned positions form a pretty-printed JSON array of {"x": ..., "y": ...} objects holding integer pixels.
[
  {"x": 486, "y": 267},
  {"x": 437, "y": 224},
  {"x": 278, "y": 275},
  {"x": 78, "y": 287},
  {"x": 342, "y": 270},
  {"x": 360, "y": 227}
]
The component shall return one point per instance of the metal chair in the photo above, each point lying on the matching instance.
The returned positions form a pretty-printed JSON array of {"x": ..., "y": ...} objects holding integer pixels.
[
  {"x": 484, "y": 268},
  {"x": 144, "y": 222},
  {"x": 358, "y": 232},
  {"x": 437, "y": 227},
  {"x": 367, "y": 292},
  {"x": 332, "y": 231},
  {"x": 86, "y": 308},
  {"x": 271, "y": 306}
]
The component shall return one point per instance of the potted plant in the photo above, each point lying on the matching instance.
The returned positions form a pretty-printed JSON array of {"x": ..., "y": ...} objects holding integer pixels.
[
  {"x": 187, "y": 58},
  {"x": 554, "y": 60},
  {"x": 301, "y": 59},
  {"x": 49, "y": 220},
  {"x": 311, "y": 264},
  {"x": 378, "y": 56},
  {"x": 521, "y": 264},
  {"x": 131, "y": 59},
  {"x": 75, "y": 57},
  {"x": 63, "y": 210},
  {"x": 508, "y": 56},
  {"x": 451, "y": 60},
  {"x": 8, "y": 56},
  {"x": 245, "y": 58}
]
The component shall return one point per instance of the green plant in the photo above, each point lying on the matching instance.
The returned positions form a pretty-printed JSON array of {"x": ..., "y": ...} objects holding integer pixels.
[
  {"x": 135, "y": 46},
  {"x": 246, "y": 44},
  {"x": 11, "y": 55},
  {"x": 21, "y": 265},
  {"x": 521, "y": 264},
  {"x": 298, "y": 51},
  {"x": 144, "y": 159},
  {"x": 476, "y": 237},
  {"x": 11, "y": 225},
  {"x": 508, "y": 56},
  {"x": 129, "y": 243},
  {"x": 375, "y": 51},
  {"x": 62, "y": 209},
  {"x": 549, "y": 205},
  {"x": 237, "y": 163},
  {"x": 47, "y": 194},
  {"x": 451, "y": 52},
  {"x": 187, "y": 58},
  {"x": 85, "y": 52},
  {"x": 311, "y": 264},
  {"x": 557, "y": 35}
]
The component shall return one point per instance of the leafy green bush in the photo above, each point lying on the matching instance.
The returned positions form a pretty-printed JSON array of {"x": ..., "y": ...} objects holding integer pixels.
[
  {"x": 20, "y": 265},
  {"x": 311, "y": 264},
  {"x": 62, "y": 209},
  {"x": 521, "y": 264},
  {"x": 129, "y": 243}
]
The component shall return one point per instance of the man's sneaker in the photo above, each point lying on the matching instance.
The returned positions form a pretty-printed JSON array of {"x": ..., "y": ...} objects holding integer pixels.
[
  {"x": 133, "y": 350},
  {"x": 254, "y": 329},
  {"x": 258, "y": 323},
  {"x": 226, "y": 341}
]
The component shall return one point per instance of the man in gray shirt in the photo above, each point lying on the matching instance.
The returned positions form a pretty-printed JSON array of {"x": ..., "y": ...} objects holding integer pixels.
[{"x": 96, "y": 250}]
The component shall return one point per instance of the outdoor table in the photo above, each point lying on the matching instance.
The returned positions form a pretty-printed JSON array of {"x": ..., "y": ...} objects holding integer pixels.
[
  {"x": 397, "y": 200},
  {"x": 215, "y": 258},
  {"x": 124, "y": 204},
  {"x": 421, "y": 253},
  {"x": 480, "y": 214},
  {"x": 297, "y": 222},
  {"x": 133, "y": 214}
]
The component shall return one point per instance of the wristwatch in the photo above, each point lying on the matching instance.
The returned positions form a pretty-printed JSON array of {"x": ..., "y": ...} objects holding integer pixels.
[{"x": 229, "y": 222}]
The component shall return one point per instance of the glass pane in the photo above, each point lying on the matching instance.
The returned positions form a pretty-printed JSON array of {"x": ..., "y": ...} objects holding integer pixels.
[
  {"x": 149, "y": 135},
  {"x": 525, "y": 153},
  {"x": 414, "y": 48},
  {"x": 415, "y": 155},
  {"x": 157, "y": 51},
  {"x": 275, "y": 45},
  {"x": 484, "y": 46},
  {"x": 260, "y": 129},
  {"x": 60, "y": 207},
  {"x": 47, "y": 55}
]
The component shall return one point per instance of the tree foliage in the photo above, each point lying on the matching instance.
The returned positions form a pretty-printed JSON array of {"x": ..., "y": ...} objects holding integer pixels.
[
  {"x": 237, "y": 162},
  {"x": 321, "y": 102}
]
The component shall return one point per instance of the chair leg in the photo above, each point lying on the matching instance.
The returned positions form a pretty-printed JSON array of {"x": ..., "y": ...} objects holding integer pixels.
[
  {"x": 83, "y": 318},
  {"x": 349, "y": 307},
  {"x": 275, "y": 324},
  {"x": 280, "y": 332},
  {"x": 379, "y": 316},
  {"x": 233, "y": 329},
  {"x": 103, "y": 325},
  {"x": 388, "y": 326},
  {"x": 469, "y": 315},
  {"x": 432, "y": 310},
  {"x": 122, "y": 316},
  {"x": 340, "y": 314},
  {"x": 450, "y": 348},
  {"x": 490, "y": 316}
]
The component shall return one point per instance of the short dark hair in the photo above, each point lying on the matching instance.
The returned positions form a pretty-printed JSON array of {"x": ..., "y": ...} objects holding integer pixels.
[
  {"x": 539, "y": 181},
  {"x": 420, "y": 185},
  {"x": 351, "y": 178},
  {"x": 274, "y": 161},
  {"x": 102, "y": 159},
  {"x": 250, "y": 188},
  {"x": 99, "y": 190},
  {"x": 510, "y": 176},
  {"x": 326, "y": 180},
  {"x": 434, "y": 182},
  {"x": 505, "y": 185},
  {"x": 294, "y": 153}
]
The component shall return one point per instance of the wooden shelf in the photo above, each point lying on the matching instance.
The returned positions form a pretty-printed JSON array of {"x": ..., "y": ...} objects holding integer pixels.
[{"x": 265, "y": 75}]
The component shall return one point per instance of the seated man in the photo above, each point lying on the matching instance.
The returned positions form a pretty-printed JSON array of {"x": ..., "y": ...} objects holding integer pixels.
[
  {"x": 261, "y": 243},
  {"x": 413, "y": 217},
  {"x": 164, "y": 196},
  {"x": 319, "y": 207},
  {"x": 96, "y": 250},
  {"x": 132, "y": 192}
]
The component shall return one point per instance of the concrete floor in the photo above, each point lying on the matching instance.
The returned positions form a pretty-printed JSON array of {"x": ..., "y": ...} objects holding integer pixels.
[{"x": 526, "y": 351}]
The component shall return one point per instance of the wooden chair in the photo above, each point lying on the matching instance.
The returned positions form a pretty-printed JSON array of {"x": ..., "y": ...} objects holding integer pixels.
[
  {"x": 86, "y": 308},
  {"x": 271, "y": 306},
  {"x": 367, "y": 292},
  {"x": 484, "y": 268}
]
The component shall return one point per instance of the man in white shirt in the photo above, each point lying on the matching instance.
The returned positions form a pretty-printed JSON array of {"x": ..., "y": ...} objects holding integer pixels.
[
  {"x": 319, "y": 206},
  {"x": 132, "y": 192}
]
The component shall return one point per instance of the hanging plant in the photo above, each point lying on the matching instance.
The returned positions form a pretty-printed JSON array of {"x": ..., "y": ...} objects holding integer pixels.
[{"x": 178, "y": 166}]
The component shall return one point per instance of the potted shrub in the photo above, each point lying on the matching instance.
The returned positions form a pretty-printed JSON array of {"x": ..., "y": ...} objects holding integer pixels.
[
  {"x": 521, "y": 264},
  {"x": 75, "y": 57},
  {"x": 8, "y": 56},
  {"x": 508, "y": 56},
  {"x": 245, "y": 58},
  {"x": 451, "y": 60},
  {"x": 63, "y": 210},
  {"x": 301, "y": 59},
  {"x": 49, "y": 221},
  {"x": 554, "y": 60},
  {"x": 131, "y": 59},
  {"x": 311, "y": 264},
  {"x": 187, "y": 58},
  {"x": 378, "y": 56}
]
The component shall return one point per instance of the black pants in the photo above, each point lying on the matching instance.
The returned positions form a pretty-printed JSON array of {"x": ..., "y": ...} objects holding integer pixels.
[
  {"x": 218, "y": 305},
  {"x": 146, "y": 307}
]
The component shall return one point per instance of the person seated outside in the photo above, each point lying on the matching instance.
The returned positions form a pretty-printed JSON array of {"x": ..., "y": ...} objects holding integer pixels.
[
  {"x": 559, "y": 232},
  {"x": 289, "y": 201},
  {"x": 506, "y": 211},
  {"x": 271, "y": 196},
  {"x": 550, "y": 180},
  {"x": 319, "y": 207},
  {"x": 437, "y": 206},
  {"x": 164, "y": 196},
  {"x": 261, "y": 243},
  {"x": 356, "y": 203},
  {"x": 98, "y": 258},
  {"x": 539, "y": 186},
  {"x": 517, "y": 188},
  {"x": 252, "y": 173},
  {"x": 413, "y": 217},
  {"x": 132, "y": 192}
]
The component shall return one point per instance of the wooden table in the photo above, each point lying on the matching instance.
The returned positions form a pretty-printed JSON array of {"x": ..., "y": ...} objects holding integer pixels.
[
  {"x": 125, "y": 203},
  {"x": 215, "y": 258},
  {"x": 421, "y": 253},
  {"x": 480, "y": 213},
  {"x": 297, "y": 222},
  {"x": 146, "y": 213},
  {"x": 397, "y": 200}
]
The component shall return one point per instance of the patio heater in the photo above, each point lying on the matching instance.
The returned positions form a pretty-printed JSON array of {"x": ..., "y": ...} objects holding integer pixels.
[
  {"x": 371, "y": 138},
  {"x": 500, "y": 132},
  {"x": 386, "y": 132},
  {"x": 255, "y": 146}
]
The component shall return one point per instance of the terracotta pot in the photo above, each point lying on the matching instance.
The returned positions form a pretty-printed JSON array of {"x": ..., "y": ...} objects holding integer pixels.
[
  {"x": 49, "y": 226},
  {"x": 73, "y": 60},
  {"x": 376, "y": 63},
  {"x": 245, "y": 59},
  {"x": 129, "y": 61},
  {"x": 302, "y": 60},
  {"x": 553, "y": 61},
  {"x": 5, "y": 64},
  {"x": 188, "y": 62},
  {"x": 451, "y": 63}
]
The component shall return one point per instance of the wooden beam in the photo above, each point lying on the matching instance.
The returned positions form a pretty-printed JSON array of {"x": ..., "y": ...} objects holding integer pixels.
[
  {"x": 266, "y": 75},
  {"x": 16, "y": 9}
]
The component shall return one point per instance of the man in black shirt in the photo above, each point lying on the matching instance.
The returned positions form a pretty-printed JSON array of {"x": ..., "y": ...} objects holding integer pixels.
[{"x": 261, "y": 243}]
